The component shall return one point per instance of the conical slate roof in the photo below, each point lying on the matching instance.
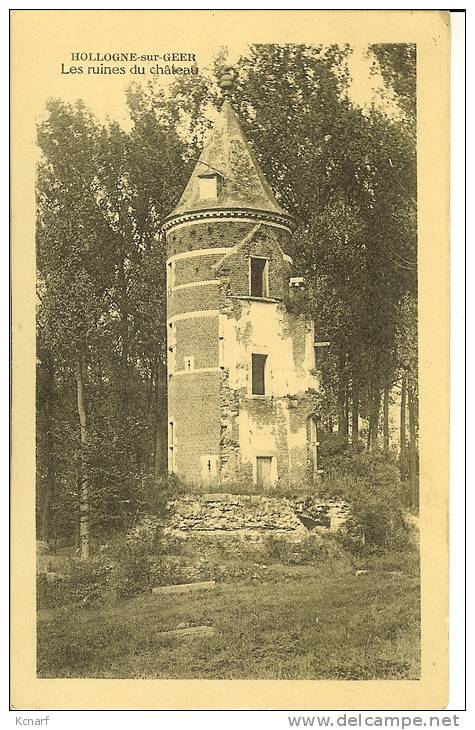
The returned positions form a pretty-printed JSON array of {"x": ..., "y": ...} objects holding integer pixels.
[{"x": 242, "y": 183}]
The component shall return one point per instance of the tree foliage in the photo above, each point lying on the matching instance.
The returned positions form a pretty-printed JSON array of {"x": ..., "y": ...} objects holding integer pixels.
[{"x": 102, "y": 194}]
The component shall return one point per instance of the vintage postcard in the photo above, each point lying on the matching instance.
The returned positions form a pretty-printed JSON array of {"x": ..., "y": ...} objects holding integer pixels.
[{"x": 230, "y": 273}]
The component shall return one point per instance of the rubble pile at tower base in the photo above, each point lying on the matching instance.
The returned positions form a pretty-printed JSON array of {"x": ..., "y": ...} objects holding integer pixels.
[{"x": 252, "y": 517}]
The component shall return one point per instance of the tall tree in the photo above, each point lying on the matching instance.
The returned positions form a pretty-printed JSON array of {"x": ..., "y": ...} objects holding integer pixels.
[
  {"x": 102, "y": 194},
  {"x": 67, "y": 235}
]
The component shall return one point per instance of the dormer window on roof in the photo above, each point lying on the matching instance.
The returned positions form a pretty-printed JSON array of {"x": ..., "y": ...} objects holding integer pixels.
[{"x": 209, "y": 185}]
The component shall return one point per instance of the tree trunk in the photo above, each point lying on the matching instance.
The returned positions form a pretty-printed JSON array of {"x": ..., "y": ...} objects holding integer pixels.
[
  {"x": 341, "y": 410},
  {"x": 84, "y": 533},
  {"x": 124, "y": 374},
  {"x": 160, "y": 420},
  {"x": 370, "y": 402},
  {"x": 402, "y": 431},
  {"x": 342, "y": 405},
  {"x": 47, "y": 396},
  {"x": 355, "y": 403},
  {"x": 123, "y": 313},
  {"x": 386, "y": 418},
  {"x": 347, "y": 409},
  {"x": 413, "y": 485},
  {"x": 374, "y": 415}
]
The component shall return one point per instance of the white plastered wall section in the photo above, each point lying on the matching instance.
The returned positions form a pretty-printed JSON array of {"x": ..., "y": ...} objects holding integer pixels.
[{"x": 264, "y": 328}]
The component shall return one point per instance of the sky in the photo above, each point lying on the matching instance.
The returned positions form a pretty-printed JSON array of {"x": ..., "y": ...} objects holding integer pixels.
[
  {"x": 52, "y": 45},
  {"x": 105, "y": 95}
]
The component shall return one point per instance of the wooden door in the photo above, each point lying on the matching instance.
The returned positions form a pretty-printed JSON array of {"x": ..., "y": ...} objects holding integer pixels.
[{"x": 264, "y": 464}]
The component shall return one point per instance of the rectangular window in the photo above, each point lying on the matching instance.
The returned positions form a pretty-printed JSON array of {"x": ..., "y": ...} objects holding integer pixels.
[
  {"x": 258, "y": 374},
  {"x": 189, "y": 362},
  {"x": 258, "y": 284},
  {"x": 208, "y": 187}
]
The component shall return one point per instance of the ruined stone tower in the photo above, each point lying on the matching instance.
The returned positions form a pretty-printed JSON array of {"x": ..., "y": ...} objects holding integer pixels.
[{"x": 241, "y": 365}]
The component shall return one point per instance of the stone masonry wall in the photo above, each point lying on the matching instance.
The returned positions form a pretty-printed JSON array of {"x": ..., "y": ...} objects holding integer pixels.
[{"x": 252, "y": 516}]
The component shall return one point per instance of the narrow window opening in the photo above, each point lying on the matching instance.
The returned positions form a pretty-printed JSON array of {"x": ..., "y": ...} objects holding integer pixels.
[
  {"x": 171, "y": 349},
  {"x": 171, "y": 437},
  {"x": 258, "y": 374},
  {"x": 313, "y": 443},
  {"x": 170, "y": 276},
  {"x": 258, "y": 277},
  {"x": 221, "y": 351},
  {"x": 189, "y": 362}
]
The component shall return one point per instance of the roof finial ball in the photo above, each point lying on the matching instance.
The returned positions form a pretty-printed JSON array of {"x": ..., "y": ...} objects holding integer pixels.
[{"x": 226, "y": 80}]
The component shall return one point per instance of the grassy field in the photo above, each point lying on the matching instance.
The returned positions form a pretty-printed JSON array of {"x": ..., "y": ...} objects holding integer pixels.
[{"x": 296, "y": 622}]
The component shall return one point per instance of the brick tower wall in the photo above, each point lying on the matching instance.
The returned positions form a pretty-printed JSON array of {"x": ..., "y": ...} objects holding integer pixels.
[
  {"x": 207, "y": 406},
  {"x": 194, "y": 395}
]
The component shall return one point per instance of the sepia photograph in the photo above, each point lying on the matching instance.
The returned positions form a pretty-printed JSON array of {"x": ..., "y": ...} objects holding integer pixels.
[
  {"x": 227, "y": 356},
  {"x": 227, "y": 375}
]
